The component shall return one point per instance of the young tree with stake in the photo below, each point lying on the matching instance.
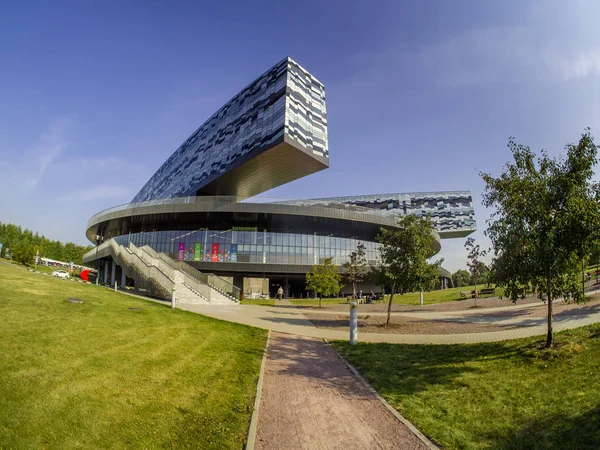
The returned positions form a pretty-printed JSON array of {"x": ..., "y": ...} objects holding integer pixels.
[{"x": 547, "y": 216}]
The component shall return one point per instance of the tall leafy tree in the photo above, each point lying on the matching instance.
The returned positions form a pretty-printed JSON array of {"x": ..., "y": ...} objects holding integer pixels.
[
  {"x": 23, "y": 252},
  {"x": 356, "y": 269},
  {"x": 403, "y": 257},
  {"x": 324, "y": 279},
  {"x": 461, "y": 278},
  {"x": 546, "y": 219},
  {"x": 10, "y": 235},
  {"x": 476, "y": 266}
]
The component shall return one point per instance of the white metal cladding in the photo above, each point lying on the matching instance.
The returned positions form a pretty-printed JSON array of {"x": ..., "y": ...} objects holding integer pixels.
[{"x": 451, "y": 212}]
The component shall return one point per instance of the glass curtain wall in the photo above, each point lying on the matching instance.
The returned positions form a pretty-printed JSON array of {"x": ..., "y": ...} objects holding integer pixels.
[{"x": 248, "y": 244}]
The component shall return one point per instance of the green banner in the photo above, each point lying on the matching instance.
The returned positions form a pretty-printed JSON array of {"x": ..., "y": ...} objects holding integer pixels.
[{"x": 197, "y": 252}]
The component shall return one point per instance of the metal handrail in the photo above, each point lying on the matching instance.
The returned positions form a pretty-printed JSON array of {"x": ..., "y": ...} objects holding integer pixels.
[{"x": 212, "y": 280}]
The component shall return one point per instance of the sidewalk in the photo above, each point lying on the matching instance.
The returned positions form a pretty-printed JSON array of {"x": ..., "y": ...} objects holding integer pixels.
[
  {"x": 311, "y": 400},
  {"x": 286, "y": 318}
]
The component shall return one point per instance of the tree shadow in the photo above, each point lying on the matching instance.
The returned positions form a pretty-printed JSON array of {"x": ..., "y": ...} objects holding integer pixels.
[
  {"x": 401, "y": 370},
  {"x": 580, "y": 311},
  {"x": 554, "y": 432},
  {"x": 287, "y": 320}
]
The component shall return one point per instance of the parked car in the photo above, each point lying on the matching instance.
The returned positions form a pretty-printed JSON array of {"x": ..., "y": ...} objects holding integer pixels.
[{"x": 60, "y": 274}]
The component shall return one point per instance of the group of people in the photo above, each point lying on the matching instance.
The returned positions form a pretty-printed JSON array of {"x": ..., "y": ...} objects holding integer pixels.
[{"x": 368, "y": 299}]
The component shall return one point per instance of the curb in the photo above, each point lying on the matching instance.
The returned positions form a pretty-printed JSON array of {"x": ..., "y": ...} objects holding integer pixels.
[
  {"x": 428, "y": 443},
  {"x": 252, "y": 429}
]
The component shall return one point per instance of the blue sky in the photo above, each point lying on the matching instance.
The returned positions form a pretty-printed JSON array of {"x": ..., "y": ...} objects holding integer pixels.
[{"x": 421, "y": 96}]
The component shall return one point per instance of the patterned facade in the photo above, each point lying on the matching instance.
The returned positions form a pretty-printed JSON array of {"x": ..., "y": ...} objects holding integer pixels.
[
  {"x": 451, "y": 212},
  {"x": 286, "y": 103}
]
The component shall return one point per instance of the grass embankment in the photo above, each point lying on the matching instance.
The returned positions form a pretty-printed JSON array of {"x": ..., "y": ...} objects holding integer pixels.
[
  {"x": 429, "y": 298},
  {"x": 498, "y": 395},
  {"x": 118, "y": 372},
  {"x": 258, "y": 302}
]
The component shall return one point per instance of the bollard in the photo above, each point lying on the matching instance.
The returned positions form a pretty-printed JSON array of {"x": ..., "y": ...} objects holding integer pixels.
[
  {"x": 116, "y": 287},
  {"x": 173, "y": 298},
  {"x": 421, "y": 298},
  {"x": 353, "y": 323}
]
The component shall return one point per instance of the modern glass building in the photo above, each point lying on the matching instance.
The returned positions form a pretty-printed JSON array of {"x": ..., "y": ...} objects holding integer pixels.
[{"x": 197, "y": 208}]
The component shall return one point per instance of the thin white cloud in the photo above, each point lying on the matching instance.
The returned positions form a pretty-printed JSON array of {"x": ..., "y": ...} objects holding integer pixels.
[
  {"x": 507, "y": 54},
  {"x": 35, "y": 160},
  {"x": 50, "y": 145},
  {"x": 95, "y": 193},
  {"x": 504, "y": 54}
]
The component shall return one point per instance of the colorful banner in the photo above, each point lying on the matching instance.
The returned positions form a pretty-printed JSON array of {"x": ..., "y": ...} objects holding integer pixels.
[
  {"x": 215, "y": 253},
  {"x": 181, "y": 250},
  {"x": 197, "y": 251},
  {"x": 233, "y": 257}
]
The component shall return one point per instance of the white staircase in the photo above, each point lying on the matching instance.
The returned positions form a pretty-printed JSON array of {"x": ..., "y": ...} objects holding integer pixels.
[{"x": 158, "y": 274}]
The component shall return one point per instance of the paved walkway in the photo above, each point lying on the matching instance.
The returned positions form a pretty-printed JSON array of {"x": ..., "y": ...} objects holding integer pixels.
[
  {"x": 286, "y": 318},
  {"x": 311, "y": 400}
]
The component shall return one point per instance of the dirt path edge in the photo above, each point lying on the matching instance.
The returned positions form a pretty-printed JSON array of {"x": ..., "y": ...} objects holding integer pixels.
[
  {"x": 389, "y": 407},
  {"x": 251, "y": 439}
]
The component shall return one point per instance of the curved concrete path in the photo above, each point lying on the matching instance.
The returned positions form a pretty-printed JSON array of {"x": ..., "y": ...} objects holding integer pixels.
[{"x": 286, "y": 318}]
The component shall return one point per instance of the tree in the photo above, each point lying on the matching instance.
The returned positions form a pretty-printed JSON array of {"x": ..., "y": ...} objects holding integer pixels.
[
  {"x": 324, "y": 279},
  {"x": 461, "y": 278},
  {"x": 403, "y": 257},
  {"x": 546, "y": 220},
  {"x": 483, "y": 274},
  {"x": 476, "y": 266},
  {"x": 23, "y": 252},
  {"x": 356, "y": 268}
]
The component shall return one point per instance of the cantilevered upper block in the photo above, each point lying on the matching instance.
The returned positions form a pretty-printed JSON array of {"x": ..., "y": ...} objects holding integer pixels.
[{"x": 272, "y": 132}]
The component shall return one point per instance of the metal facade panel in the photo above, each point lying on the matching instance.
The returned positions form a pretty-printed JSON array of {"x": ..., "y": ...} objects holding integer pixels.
[{"x": 285, "y": 104}]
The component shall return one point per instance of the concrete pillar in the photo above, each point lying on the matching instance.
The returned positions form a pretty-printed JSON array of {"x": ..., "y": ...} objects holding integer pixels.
[
  {"x": 123, "y": 278},
  {"x": 105, "y": 272},
  {"x": 113, "y": 273},
  {"x": 286, "y": 288}
]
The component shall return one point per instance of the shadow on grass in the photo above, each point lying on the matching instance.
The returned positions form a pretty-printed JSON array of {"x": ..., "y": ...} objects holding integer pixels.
[
  {"x": 401, "y": 370},
  {"x": 404, "y": 374},
  {"x": 555, "y": 432}
]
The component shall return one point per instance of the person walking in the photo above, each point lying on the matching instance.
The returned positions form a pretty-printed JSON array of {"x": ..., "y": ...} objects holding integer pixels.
[{"x": 279, "y": 293}]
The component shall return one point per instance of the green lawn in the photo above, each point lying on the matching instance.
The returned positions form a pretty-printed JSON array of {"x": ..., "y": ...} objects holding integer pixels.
[
  {"x": 507, "y": 395},
  {"x": 429, "y": 298},
  {"x": 258, "y": 302},
  {"x": 118, "y": 372}
]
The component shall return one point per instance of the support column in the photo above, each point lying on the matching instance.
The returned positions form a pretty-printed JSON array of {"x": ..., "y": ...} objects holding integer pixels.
[
  {"x": 113, "y": 273},
  {"x": 105, "y": 272},
  {"x": 286, "y": 287},
  {"x": 123, "y": 278}
]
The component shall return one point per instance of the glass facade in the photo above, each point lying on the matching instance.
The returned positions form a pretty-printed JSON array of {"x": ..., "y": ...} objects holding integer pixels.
[{"x": 250, "y": 245}]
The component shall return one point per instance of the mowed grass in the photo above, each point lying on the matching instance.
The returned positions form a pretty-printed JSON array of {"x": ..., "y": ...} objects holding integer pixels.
[
  {"x": 429, "y": 298},
  {"x": 118, "y": 372},
  {"x": 507, "y": 395},
  {"x": 258, "y": 302}
]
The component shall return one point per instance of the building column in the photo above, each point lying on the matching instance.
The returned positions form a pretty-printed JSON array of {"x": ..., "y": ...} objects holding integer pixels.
[
  {"x": 123, "y": 278},
  {"x": 113, "y": 273},
  {"x": 286, "y": 287},
  {"x": 105, "y": 272}
]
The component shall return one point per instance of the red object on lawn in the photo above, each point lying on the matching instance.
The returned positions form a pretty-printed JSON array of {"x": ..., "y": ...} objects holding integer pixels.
[{"x": 84, "y": 275}]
